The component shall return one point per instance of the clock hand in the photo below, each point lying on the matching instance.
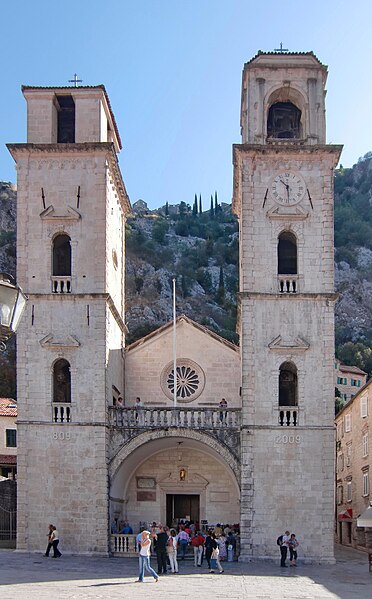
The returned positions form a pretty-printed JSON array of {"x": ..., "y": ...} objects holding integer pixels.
[{"x": 285, "y": 184}]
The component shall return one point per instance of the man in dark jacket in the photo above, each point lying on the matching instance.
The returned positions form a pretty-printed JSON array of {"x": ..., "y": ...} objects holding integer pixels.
[{"x": 161, "y": 549}]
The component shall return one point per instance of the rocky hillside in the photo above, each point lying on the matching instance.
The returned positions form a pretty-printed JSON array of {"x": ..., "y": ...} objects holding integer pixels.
[
  {"x": 200, "y": 250},
  {"x": 7, "y": 228}
]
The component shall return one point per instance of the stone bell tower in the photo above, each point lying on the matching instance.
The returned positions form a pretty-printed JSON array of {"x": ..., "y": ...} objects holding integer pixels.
[
  {"x": 283, "y": 196},
  {"x": 71, "y": 209}
]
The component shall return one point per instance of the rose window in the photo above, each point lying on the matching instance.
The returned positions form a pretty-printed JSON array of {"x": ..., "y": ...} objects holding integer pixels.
[{"x": 190, "y": 380}]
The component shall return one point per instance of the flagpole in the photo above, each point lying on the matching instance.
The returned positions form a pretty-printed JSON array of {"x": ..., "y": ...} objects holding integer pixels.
[{"x": 174, "y": 346}]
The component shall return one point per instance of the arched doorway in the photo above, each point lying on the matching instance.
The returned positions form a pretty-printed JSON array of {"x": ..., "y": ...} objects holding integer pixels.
[{"x": 158, "y": 477}]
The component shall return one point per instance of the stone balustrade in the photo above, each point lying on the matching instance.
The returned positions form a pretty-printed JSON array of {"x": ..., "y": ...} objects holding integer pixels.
[
  {"x": 288, "y": 284},
  {"x": 123, "y": 545},
  {"x": 61, "y": 284},
  {"x": 61, "y": 412},
  {"x": 288, "y": 416},
  {"x": 182, "y": 416}
]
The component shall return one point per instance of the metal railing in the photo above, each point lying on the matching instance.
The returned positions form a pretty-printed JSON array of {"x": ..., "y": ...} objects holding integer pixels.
[
  {"x": 8, "y": 527},
  {"x": 182, "y": 417}
]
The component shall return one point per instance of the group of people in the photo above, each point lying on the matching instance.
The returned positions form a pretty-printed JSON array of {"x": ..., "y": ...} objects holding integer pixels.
[
  {"x": 285, "y": 542},
  {"x": 53, "y": 540},
  {"x": 169, "y": 546}
]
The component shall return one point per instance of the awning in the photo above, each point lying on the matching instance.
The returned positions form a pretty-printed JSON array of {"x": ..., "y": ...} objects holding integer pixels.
[
  {"x": 366, "y": 518},
  {"x": 348, "y": 513}
]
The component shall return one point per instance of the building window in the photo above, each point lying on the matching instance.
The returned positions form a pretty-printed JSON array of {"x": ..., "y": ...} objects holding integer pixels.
[
  {"x": 365, "y": 484},
  {"x": 365, "y": 445},
  {"x": 340, "y": 494},
  {"x": 349, "y": 492},
  {"x": 347, "y": 423},
  {"x": 364, "y": 406},
  {"x": 288, "y": 393},
  {"x": 284, "y": 121},
  {"x": 341, "y": 380},
  {"x": 66, "y": 119},
  {"x": 340, "y": 463},
  {"x": 61, "y": 382},
  {"x": 190, "y": 380},
  {"x": 11, "y": 437},
  {"x": 62, "y": 256},
  {"x": 348, "y": 456},
  {"x": 287, "y": 254}
]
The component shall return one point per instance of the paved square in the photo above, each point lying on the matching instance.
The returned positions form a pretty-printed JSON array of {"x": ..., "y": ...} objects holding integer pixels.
[{"x": 26, "y": 576}]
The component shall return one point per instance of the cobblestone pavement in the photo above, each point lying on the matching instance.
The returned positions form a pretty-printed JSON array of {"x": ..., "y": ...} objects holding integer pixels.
[{"x": 30, "y": 576}]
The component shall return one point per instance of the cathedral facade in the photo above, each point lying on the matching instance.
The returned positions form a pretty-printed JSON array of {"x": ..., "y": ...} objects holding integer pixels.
[{"x": 264, "y": 462}]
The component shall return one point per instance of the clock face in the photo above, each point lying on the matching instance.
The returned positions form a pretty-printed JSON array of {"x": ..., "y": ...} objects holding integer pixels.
[{"x": 287, "y": 188}]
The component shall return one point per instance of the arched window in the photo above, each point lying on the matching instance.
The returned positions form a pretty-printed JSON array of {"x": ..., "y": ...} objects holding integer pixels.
[
  {"x": 61, "y": 381},
  {"x": 288, "y": 385},
  {"x": 287, "y": 254},
  {"x": 284, "y": 121},
  {"x": 62, "y": 256}
]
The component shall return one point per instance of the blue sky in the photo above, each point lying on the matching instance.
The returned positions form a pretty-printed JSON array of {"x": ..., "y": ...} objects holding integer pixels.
[{"x": 173, "y": 73}]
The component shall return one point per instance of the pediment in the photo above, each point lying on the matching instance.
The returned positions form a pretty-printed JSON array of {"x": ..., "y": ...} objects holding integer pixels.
[
  {"x": 51, "y": 342},
  {"x": 282, "y": 344},
  {"x": 287, "y": 212},
  {"x": 50, "y": 214}
]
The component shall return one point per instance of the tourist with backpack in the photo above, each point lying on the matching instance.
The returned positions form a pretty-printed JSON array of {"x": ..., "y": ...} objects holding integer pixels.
[{"x": 283, "y": 542}]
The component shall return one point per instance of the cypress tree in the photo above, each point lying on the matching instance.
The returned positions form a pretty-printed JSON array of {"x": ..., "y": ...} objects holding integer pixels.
[
  {"x": 195, "y": 206},
  {"x": 200, "y": 204},
  {"x": 166, "y": 209},
  {"x": 211, "y": 210},
  {"x": 216, "y": 208}
]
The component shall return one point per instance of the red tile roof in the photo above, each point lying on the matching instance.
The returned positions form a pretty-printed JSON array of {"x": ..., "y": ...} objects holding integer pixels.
[
  {"x": 354, "y": 369},
  {"x": 8, "y": 407}
]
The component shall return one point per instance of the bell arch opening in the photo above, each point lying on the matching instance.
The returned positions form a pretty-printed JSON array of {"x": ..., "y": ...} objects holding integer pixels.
[{"x": 284, "y": 121}]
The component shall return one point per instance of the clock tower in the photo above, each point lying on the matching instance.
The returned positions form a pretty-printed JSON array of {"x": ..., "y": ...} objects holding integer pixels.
[{"x": 283, "y": 197}]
